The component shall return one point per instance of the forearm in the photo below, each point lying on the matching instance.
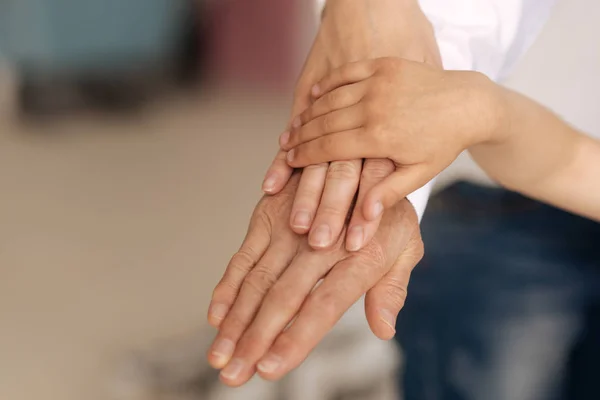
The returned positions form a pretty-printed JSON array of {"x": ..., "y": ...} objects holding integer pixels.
[{"x": 541, "y": 156}]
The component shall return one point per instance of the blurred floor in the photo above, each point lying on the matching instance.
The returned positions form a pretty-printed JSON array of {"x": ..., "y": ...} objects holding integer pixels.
[{"x": 106, "y": 224}]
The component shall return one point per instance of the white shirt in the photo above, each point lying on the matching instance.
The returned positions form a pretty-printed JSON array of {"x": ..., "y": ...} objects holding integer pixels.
[{"x": 488, "y": 36}]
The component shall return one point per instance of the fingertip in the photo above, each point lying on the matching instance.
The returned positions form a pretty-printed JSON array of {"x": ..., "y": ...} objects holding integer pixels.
[
  {"x": 381, "y": 322},
  {"x": 284, "y": 139},
  {"x": 291, "y": 157},
  {"x": 269, "y": 367},
  {"x": 321, "y": 237},
  {"x": 220, "y": 353},
  {"x": 300, "y": 222},
  {"x": 296, "y": 160},
  {"x": 315, "y": 91},
  {"x": 297, "y": 122},
  {"x": 270, "y": 183},
  {"x": 373, "y": 209},
  {"x": 388, "y": 318},
  {"x": 355, "y": 238},
  {"x": 217, "y": 313}
]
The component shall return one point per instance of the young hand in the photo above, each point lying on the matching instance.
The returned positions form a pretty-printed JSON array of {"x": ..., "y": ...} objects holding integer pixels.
[
  {"x": 329, "y": 193},
  {"x": 418, "y": 116}
]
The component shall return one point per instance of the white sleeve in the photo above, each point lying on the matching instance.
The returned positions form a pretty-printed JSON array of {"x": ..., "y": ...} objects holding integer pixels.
[{"x": 488, "y": 36}]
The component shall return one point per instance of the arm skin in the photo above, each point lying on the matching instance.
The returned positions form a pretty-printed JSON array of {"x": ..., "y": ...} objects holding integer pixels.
[{"x": 535, "y": 153}]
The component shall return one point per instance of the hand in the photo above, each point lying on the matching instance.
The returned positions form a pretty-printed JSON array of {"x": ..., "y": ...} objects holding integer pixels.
[
  {"x": 351, "y": 30},
  {"x": 270, "y": 280},
  {"x": 418, "y": 116}
]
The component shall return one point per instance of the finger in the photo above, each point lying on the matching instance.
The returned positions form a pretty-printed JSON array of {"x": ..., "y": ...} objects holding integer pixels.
[
  {"x": 336, "y": 121},
  {"x": 384, "y": 301},
  {"x": 346, "y": 145},
  {"x": 344, "y": 75},
  {"x": 342, "y": 287},
  {"x": 308, "y": 197},
  {"x": 253, "y": 289},
  {"x": 361, "y": 231},
  {"x": 277, "y": 175},
  {"x": 281, "y": 304},
  {"x": 279, "y": 172},
  {"x": 254, "y": 246},
  {"x": 340, "y": 188},
  {"x": 395, "y": 188},
  {"x": 337, "y": 99}
]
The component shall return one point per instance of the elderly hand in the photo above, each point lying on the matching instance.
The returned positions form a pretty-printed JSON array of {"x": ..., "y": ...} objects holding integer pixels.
[
  {"x": 266, "y": 307},
  {"x": 351, "y": 30}
]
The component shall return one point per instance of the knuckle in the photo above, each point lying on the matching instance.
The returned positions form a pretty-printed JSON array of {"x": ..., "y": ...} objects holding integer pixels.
[
  {"x": 396, "y": 293},
  {"x": 378, "y": 134},
  {"x": 333, "y": 99},
  {"x": 376, "y": 256},
  {"x": 307, "y": 197},
  {"x": 316, "y": 167},
  {"x": 324, "y": 147},
  {"x": 288, "y": 345},
  {"x": 344, "y": 170},
  {"x": 379, "y": 90},
  {"x": 233, "y": 325},
  {"x": 261, "y": 279},
  {"x": 331, "y": 210},
  {"x": 283, "y": 296},
  {"x": 251, "y": 340},
  {"x": 224, "y": 291},
  {"x": 327, "y": 302},
  {"x": 346, "y": 72},
  {"x": 419, "y": 249},
  {"x": 306, "y": 115},
  {"x": 371, "y": 107},
  {"x": 377, "y": 169},
  {"x": 328, "y": 123},
  {"x": 368, "y": 67},
  {"x": 389, "y": 64},
  {"x": 243, "y": 260}
]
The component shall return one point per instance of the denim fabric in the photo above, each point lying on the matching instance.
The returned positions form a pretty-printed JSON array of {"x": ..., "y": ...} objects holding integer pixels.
[{"x": 504, "y": 306}]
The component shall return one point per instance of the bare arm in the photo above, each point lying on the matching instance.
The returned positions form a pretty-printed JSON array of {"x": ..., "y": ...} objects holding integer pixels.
[{"x": 543, "y": 157}]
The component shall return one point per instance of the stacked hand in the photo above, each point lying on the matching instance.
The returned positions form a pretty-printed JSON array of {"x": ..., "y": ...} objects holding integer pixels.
[
  {"x": 418, "y": 116},
  {"x": 269, "y": 284},
  {"x": 351, "y": 30}
]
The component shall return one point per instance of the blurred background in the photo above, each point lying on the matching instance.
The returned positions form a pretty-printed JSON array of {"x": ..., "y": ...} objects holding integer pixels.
[{"x": 133, "y": 139}]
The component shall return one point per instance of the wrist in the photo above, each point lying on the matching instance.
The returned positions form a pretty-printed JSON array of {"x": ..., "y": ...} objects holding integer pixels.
[{"x": 492, "y": 107}]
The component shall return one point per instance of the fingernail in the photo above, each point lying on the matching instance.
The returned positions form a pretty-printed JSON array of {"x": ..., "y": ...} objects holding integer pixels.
[
  {"x": 233, "y": 369},
  {"x": 269, "y": 183},
  {"x": 297, "y": 123},
  {"x": 290, "y": 155},
  {"x": 302, "y": 219},
  {"x": 218, "y": 311},
  {"x": 284, "y": 139},
  {"x": 269, "y": 364},
  {"x": 377, "y": 209},
  {"x": 322, "y": 236},
  {"x": 222, "y": 351},
  {"x": 355, "y": 238},
  {"x": 315, "y": 90},
  {"x": 388, "y": 318}
]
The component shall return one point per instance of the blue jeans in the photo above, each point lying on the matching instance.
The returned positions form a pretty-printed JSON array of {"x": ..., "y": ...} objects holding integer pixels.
[{"x": 506, "y": 303}]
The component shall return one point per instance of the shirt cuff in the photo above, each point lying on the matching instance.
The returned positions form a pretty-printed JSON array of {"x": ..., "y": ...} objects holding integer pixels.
[{"x": 419, "y": 198}]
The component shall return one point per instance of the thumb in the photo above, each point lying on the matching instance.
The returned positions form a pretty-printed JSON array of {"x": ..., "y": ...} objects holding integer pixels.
[
  {"x": 393, "y": 189},
  {"x": 384, "y": 301}
]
